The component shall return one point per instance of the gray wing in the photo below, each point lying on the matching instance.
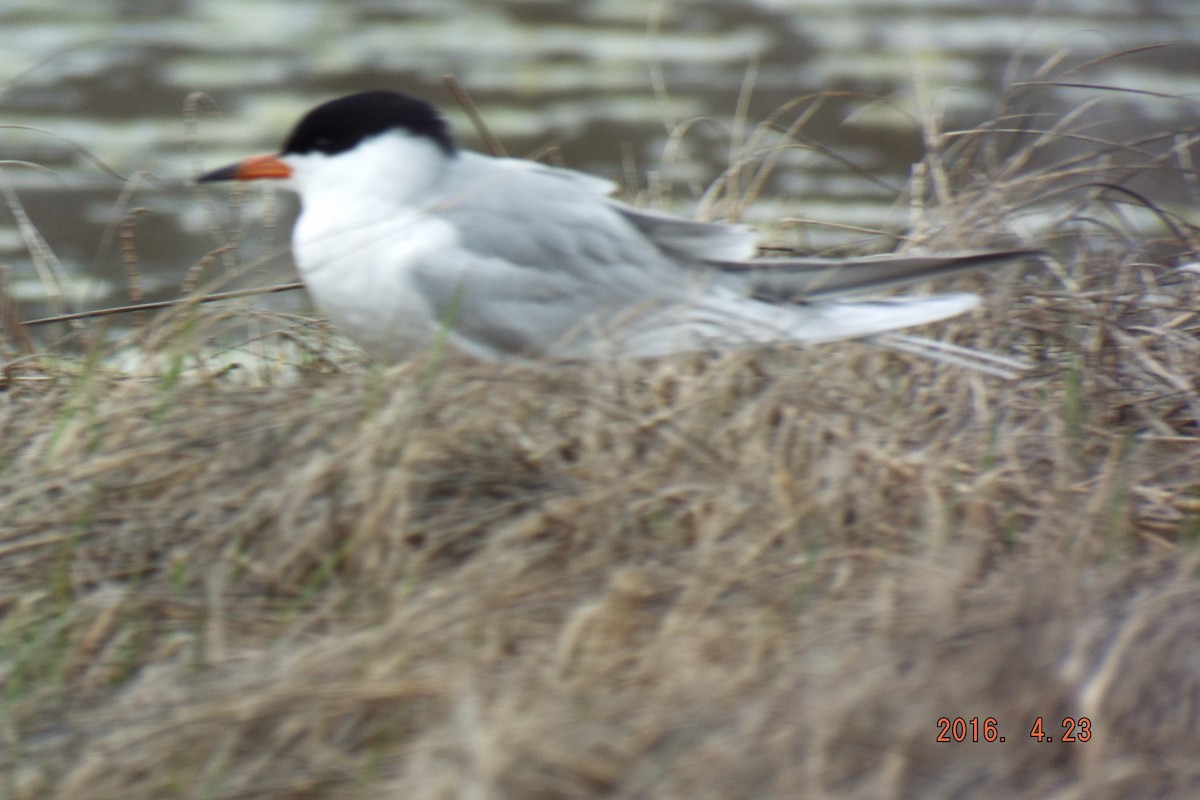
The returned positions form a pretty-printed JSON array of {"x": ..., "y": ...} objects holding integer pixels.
[
  {"x": 545, "y": 250},
  {"x": 492, "y": 307},
  {"x": 558, "y": 219},
  {"x": 705, "y": 242},
  {"x": 792, "y": 279},
  {"x": 541, "y": 252},
  {"x": 553, "y": 218}
]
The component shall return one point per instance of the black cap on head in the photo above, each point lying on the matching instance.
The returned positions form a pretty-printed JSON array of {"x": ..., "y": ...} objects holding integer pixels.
[{"x": 339, "y": 125}]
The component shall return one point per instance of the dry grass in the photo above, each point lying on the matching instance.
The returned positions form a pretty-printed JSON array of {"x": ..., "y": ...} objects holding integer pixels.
[{"x": 753, "y": 575}]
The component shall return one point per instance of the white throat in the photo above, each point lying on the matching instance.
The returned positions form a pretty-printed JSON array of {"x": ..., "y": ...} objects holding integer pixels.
[{"x": 391, "y": 171}]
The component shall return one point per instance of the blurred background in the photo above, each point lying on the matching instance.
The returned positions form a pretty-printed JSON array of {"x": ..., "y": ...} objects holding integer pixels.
[{"x": 99, "y": 137}]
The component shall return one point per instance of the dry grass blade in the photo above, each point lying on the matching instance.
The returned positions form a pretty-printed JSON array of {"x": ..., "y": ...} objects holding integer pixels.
[
  {"x": 216, "y": 297},
  {"x": 493, "y": 145}
]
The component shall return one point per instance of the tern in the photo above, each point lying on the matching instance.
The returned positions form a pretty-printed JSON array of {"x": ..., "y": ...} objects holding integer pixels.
[{"x": 404, "y": 237}]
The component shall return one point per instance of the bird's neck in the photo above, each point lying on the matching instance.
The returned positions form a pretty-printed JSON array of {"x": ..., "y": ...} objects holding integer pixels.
[{"x": 393, "y": 171}]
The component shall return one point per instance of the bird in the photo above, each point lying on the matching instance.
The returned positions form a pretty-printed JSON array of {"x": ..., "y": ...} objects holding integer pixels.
[{"x": 404, "y": 239}]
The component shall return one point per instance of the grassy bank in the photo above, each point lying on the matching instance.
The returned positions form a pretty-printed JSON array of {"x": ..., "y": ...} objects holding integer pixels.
[{"x": 752, "y": 575}]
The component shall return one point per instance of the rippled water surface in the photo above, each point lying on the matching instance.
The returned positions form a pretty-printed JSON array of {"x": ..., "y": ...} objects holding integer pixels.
[{"x": 600, "y": 86}]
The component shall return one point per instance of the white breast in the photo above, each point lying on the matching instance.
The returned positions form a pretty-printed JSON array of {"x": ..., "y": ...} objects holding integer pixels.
[{"x": 361, "y": 275}]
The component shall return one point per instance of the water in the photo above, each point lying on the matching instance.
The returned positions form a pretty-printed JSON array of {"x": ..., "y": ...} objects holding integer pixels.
[{"x": 603, "y": 86}]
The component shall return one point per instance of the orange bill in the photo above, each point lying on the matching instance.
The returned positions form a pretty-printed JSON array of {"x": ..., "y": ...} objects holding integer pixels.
[{"x": 258, "y": 167}]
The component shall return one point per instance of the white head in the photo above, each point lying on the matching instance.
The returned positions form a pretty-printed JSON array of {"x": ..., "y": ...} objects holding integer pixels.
[{"x": 361, "y": 147}]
